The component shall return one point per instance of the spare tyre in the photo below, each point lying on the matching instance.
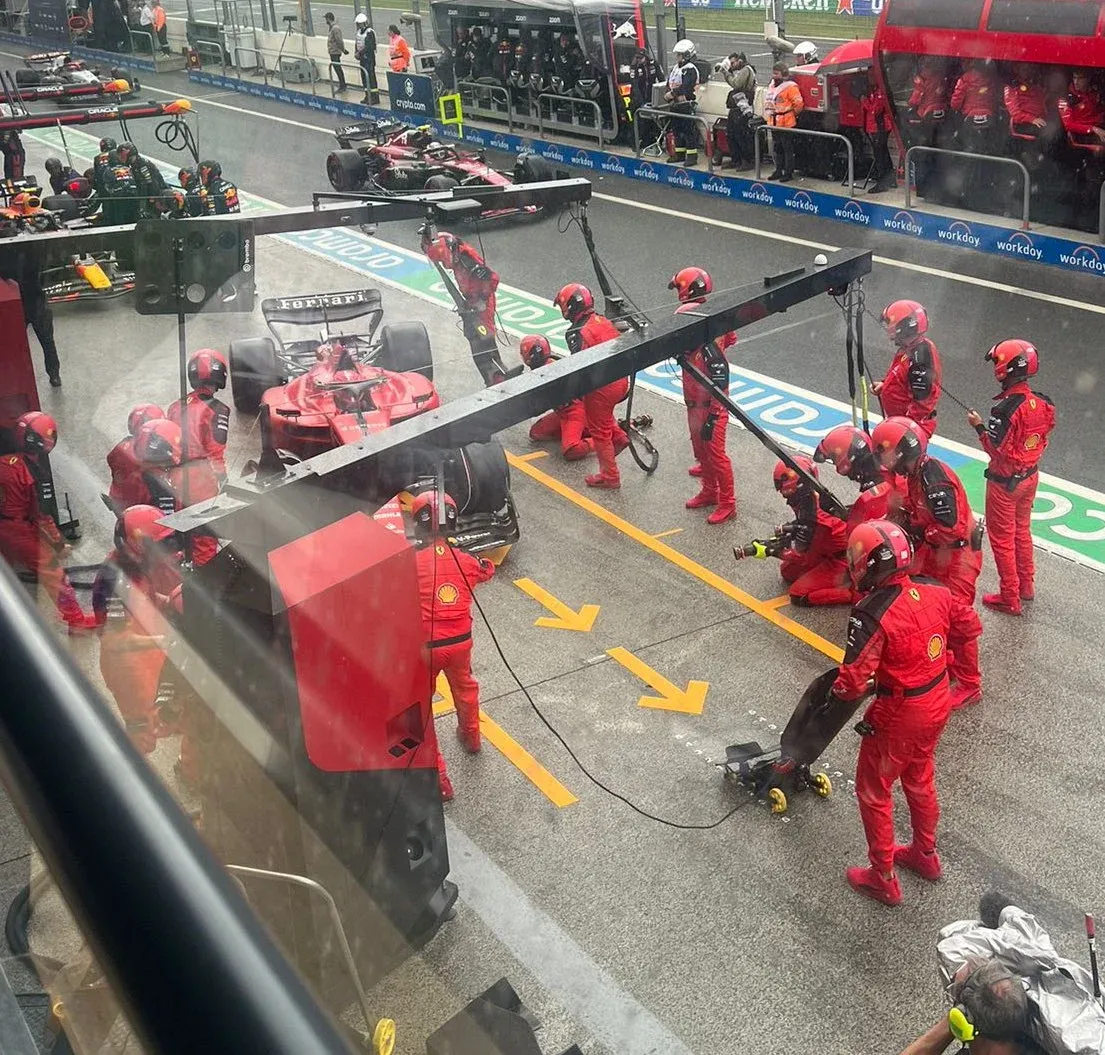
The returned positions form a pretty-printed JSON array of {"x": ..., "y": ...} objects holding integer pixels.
[
  {"x": 253, "y": 371},
  {"x": 478, "y": 477}
]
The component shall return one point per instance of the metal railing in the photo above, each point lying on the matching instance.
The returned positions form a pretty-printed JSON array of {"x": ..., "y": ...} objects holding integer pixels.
[
  {"x": 208, "y": 47},
  {"x": 1026, "y": 180},
  {"x": 659, "y": 112},
  {"x": 149, "y": 36},
  {"x": 594, "y": 130},
  {"x": 132, "y": 868},
  {"x": 493, "y": 92},
  {"x": 774, "y": 130}
]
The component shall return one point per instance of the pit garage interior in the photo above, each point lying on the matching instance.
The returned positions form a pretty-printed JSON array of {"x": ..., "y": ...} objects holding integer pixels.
[{"x": 619, "y": 650}]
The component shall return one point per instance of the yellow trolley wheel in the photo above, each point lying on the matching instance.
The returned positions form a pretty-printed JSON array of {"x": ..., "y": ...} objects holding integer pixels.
[
  {"x": 822, "y": 785},
  {"x": 777, "y": 800},
  {"x": 383, "y": 1037}
]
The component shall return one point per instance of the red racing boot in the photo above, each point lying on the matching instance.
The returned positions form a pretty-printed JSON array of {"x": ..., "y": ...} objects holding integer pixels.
[
  {"x": 81, "y": 624},
  {"x": 470, "y": 740},
  {"x": 724, "y": 511},
  {"x": 872, "y": 884},
  {"x": 703, "y": 500},
  {"x": 695, "y": 470},
  {"x": 446, "y": 786},
  {"x": 602, "y": 481},
  {"x": 962, "y": 696},
  {"x": 726, "y": 498},
  {"x": 926, "y": 865},
  {"x": 1002, "y": 604}
]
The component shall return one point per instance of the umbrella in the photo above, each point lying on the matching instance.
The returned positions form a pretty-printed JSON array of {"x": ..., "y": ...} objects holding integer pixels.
[{"x": 851, "y": 57}]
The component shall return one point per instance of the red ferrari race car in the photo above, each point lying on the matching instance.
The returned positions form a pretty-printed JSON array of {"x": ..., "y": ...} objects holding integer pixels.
[
  {"x": 342, "y": 397},
  {"x": 386, "y": 157}
]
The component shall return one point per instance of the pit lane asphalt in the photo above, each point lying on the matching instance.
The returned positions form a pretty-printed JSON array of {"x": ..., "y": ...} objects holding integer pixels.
[{"x": 743, "y": 938}]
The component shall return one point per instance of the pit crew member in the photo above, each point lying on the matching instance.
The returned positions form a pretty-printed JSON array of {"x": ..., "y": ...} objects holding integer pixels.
[
  {"x": 912, "y": 385},
  {"x": 61, "y": 175},
  {"x": 1015, "y": 437},
  {"x": 446, "y": 578},
  {"x": 707, "y": 419},
  {"x": 906, "y": 635},
  {"x": 148, "y": 180},
  {"x": 208, "y": 417},
  {"x": 29, "y": 538},
  {"x": 127, "y": 485},
  {"x": 568, "y": 423},
  {"x": 852, "y": 453},
  {"x": 221, "y": 194},
  {"x": 586, "y": 329}
]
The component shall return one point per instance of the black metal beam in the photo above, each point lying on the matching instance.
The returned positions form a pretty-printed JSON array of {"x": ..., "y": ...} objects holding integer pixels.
[
  {"x": 191, "y": 965},
  {"x": 475, "y": 417}
]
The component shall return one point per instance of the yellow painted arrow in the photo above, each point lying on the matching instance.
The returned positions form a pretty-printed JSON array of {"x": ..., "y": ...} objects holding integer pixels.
[
  {"x": 672, "y": 698},
  {"x": 563, "y": 617}
]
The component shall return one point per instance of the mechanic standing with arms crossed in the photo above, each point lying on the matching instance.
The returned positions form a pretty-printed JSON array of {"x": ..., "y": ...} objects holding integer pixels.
[
  {"x": 1015, "y": 437},
  {"x": 906, "y": 635},
  {"x": 446, "y": 578},
  {"x": 912, "y": 385},
  {"x": 707, "y": 419},
  {"x": 586, "y": 329}
]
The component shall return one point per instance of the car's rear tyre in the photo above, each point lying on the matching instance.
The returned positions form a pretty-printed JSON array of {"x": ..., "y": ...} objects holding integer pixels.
[
  {"x": 531, "y": 168},
  {"x": 28, "y": 78},
  {"x": 253, "y": 371},
  {"x": 480, "y": 477},
  {"x": 345, "y": 170},
  {"x": 64, "y": 204},
  {"x": 440, "y": 183},
  {"x": 405, "y": 348}
]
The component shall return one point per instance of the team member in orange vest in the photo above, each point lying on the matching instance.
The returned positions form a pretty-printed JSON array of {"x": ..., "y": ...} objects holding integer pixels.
[
  {"x": 782, "y": 105},
  {"x": 399, "y": 51}
]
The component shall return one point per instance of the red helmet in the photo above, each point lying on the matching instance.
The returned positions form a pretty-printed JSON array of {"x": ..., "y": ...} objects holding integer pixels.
[
  {"x": 1014, "y": 360},
  {"x": 142, "y": 413},
  {"x": 691, "y": 283},
  {"x": 847, "y": 447},
  {"x": 158, "y": 443},
  {"x": 442, "y": 250},
  {"x": 787, "y": 482},
  {"x": 535, "y": 350},
  {"x": 36, "y": 432},
  {"x": 137, "y": 529},
  {"x": 207, "y": 369},
  {"x": 876, "y": 550},
  {"x": 905, "y": 320},
  {"x": 899, "y": 443},
  {"x": 575, "y": 302},
  {"x": 427, "y": 516}
]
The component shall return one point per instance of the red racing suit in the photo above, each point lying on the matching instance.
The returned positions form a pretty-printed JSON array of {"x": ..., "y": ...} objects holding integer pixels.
[
  {"x": 128, "y": 604},
  {"x": 127, "y": 486},
  {"x": 477, "y": 284},
  {"x": 912, "y": 385},
  {"x": 707, "y": 419},
  {"x": 907, "y": 635},
  {"x": 813, "y": 563},
  {"x": 172, "y": 489},
  {"x": 929, "y": 95},
  {"x": 948, "y": 546},
  {"x": 568, "y": 424},
  {"x": 29, "y": 538},
  {"x": 876, "y": 112},
  {"x": 1026, "y": 102},
  {"x": 1081, "y": 112},
  {"x": 878, "y": 499},
  {"x": 1015, "y": 437},
  {"x": 975, "y": 94},
  {"x": 208, "y": 428},
  {"x": 607, "y": 435},
  {"x": 446, "y": 578}
]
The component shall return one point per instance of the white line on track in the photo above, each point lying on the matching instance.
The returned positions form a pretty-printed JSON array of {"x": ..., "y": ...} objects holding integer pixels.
[{"x": 727, "y": 225}]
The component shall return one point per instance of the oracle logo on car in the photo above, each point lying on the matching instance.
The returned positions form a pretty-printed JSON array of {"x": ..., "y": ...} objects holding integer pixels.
[
  {"x": 758, "y": 193},
  {"x": 1085, "y": 257},
  {"x": 647, "y": 172},
  {"x": 853, "y": 211},
  {"x": 1020, "y": 244},
  {"x": 959, "y": 232},
  {"x": 680, "y": 178},
  {"x": 583, "y": 160},
  {"x": 903, "y": 221},
  {"x": 803, "y": 202},
  {"x": 716, "y": 185}
]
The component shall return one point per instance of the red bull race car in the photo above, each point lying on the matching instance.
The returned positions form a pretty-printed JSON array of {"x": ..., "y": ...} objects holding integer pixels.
[
  {"x": 386, "y": 157},
  {"x": 339, "y": 387}
]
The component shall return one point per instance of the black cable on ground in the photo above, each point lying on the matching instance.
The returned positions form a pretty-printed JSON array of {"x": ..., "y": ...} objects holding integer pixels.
[{"x": 567, "y": 747}]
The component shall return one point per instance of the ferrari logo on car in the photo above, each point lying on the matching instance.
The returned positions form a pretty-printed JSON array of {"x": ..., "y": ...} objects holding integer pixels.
[
  {"x": 936, "y": 646},
  {"x": 447, "y": 593}
]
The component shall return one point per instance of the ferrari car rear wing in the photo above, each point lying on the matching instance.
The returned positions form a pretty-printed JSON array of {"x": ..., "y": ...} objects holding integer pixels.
[{"x": 319, "y": 309}]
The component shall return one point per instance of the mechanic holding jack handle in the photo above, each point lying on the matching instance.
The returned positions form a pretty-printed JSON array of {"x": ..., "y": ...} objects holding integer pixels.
[
  {"x": 707, "y": 419},
  {"x": 568, "y": 423},
  {"x": 446, "y": 577},
  {"x": 1015, "y": 437},
  {"x": 29, "y": 538},
  {"x": 907, "y": 635},
  {"x": 586, "y": 329},
  {"x": 851, "y": 451}
]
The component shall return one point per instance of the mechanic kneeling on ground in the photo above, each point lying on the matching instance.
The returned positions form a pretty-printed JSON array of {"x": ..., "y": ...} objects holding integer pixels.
[
  {"x": 587, "y": 328},
  {"x": 208, "y": 423},
  {"x": 851, "y": 451},
  {"x": 568, "y": 423},
  {"x": 707, "y": 419},
  {"x": 446, "y": 578},
  {"x": 1015, "y": 438},
  {"x": 29, "y": 538},
  {"x": 128, "y": 488},
  {"x": 906, "y": 634}
]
